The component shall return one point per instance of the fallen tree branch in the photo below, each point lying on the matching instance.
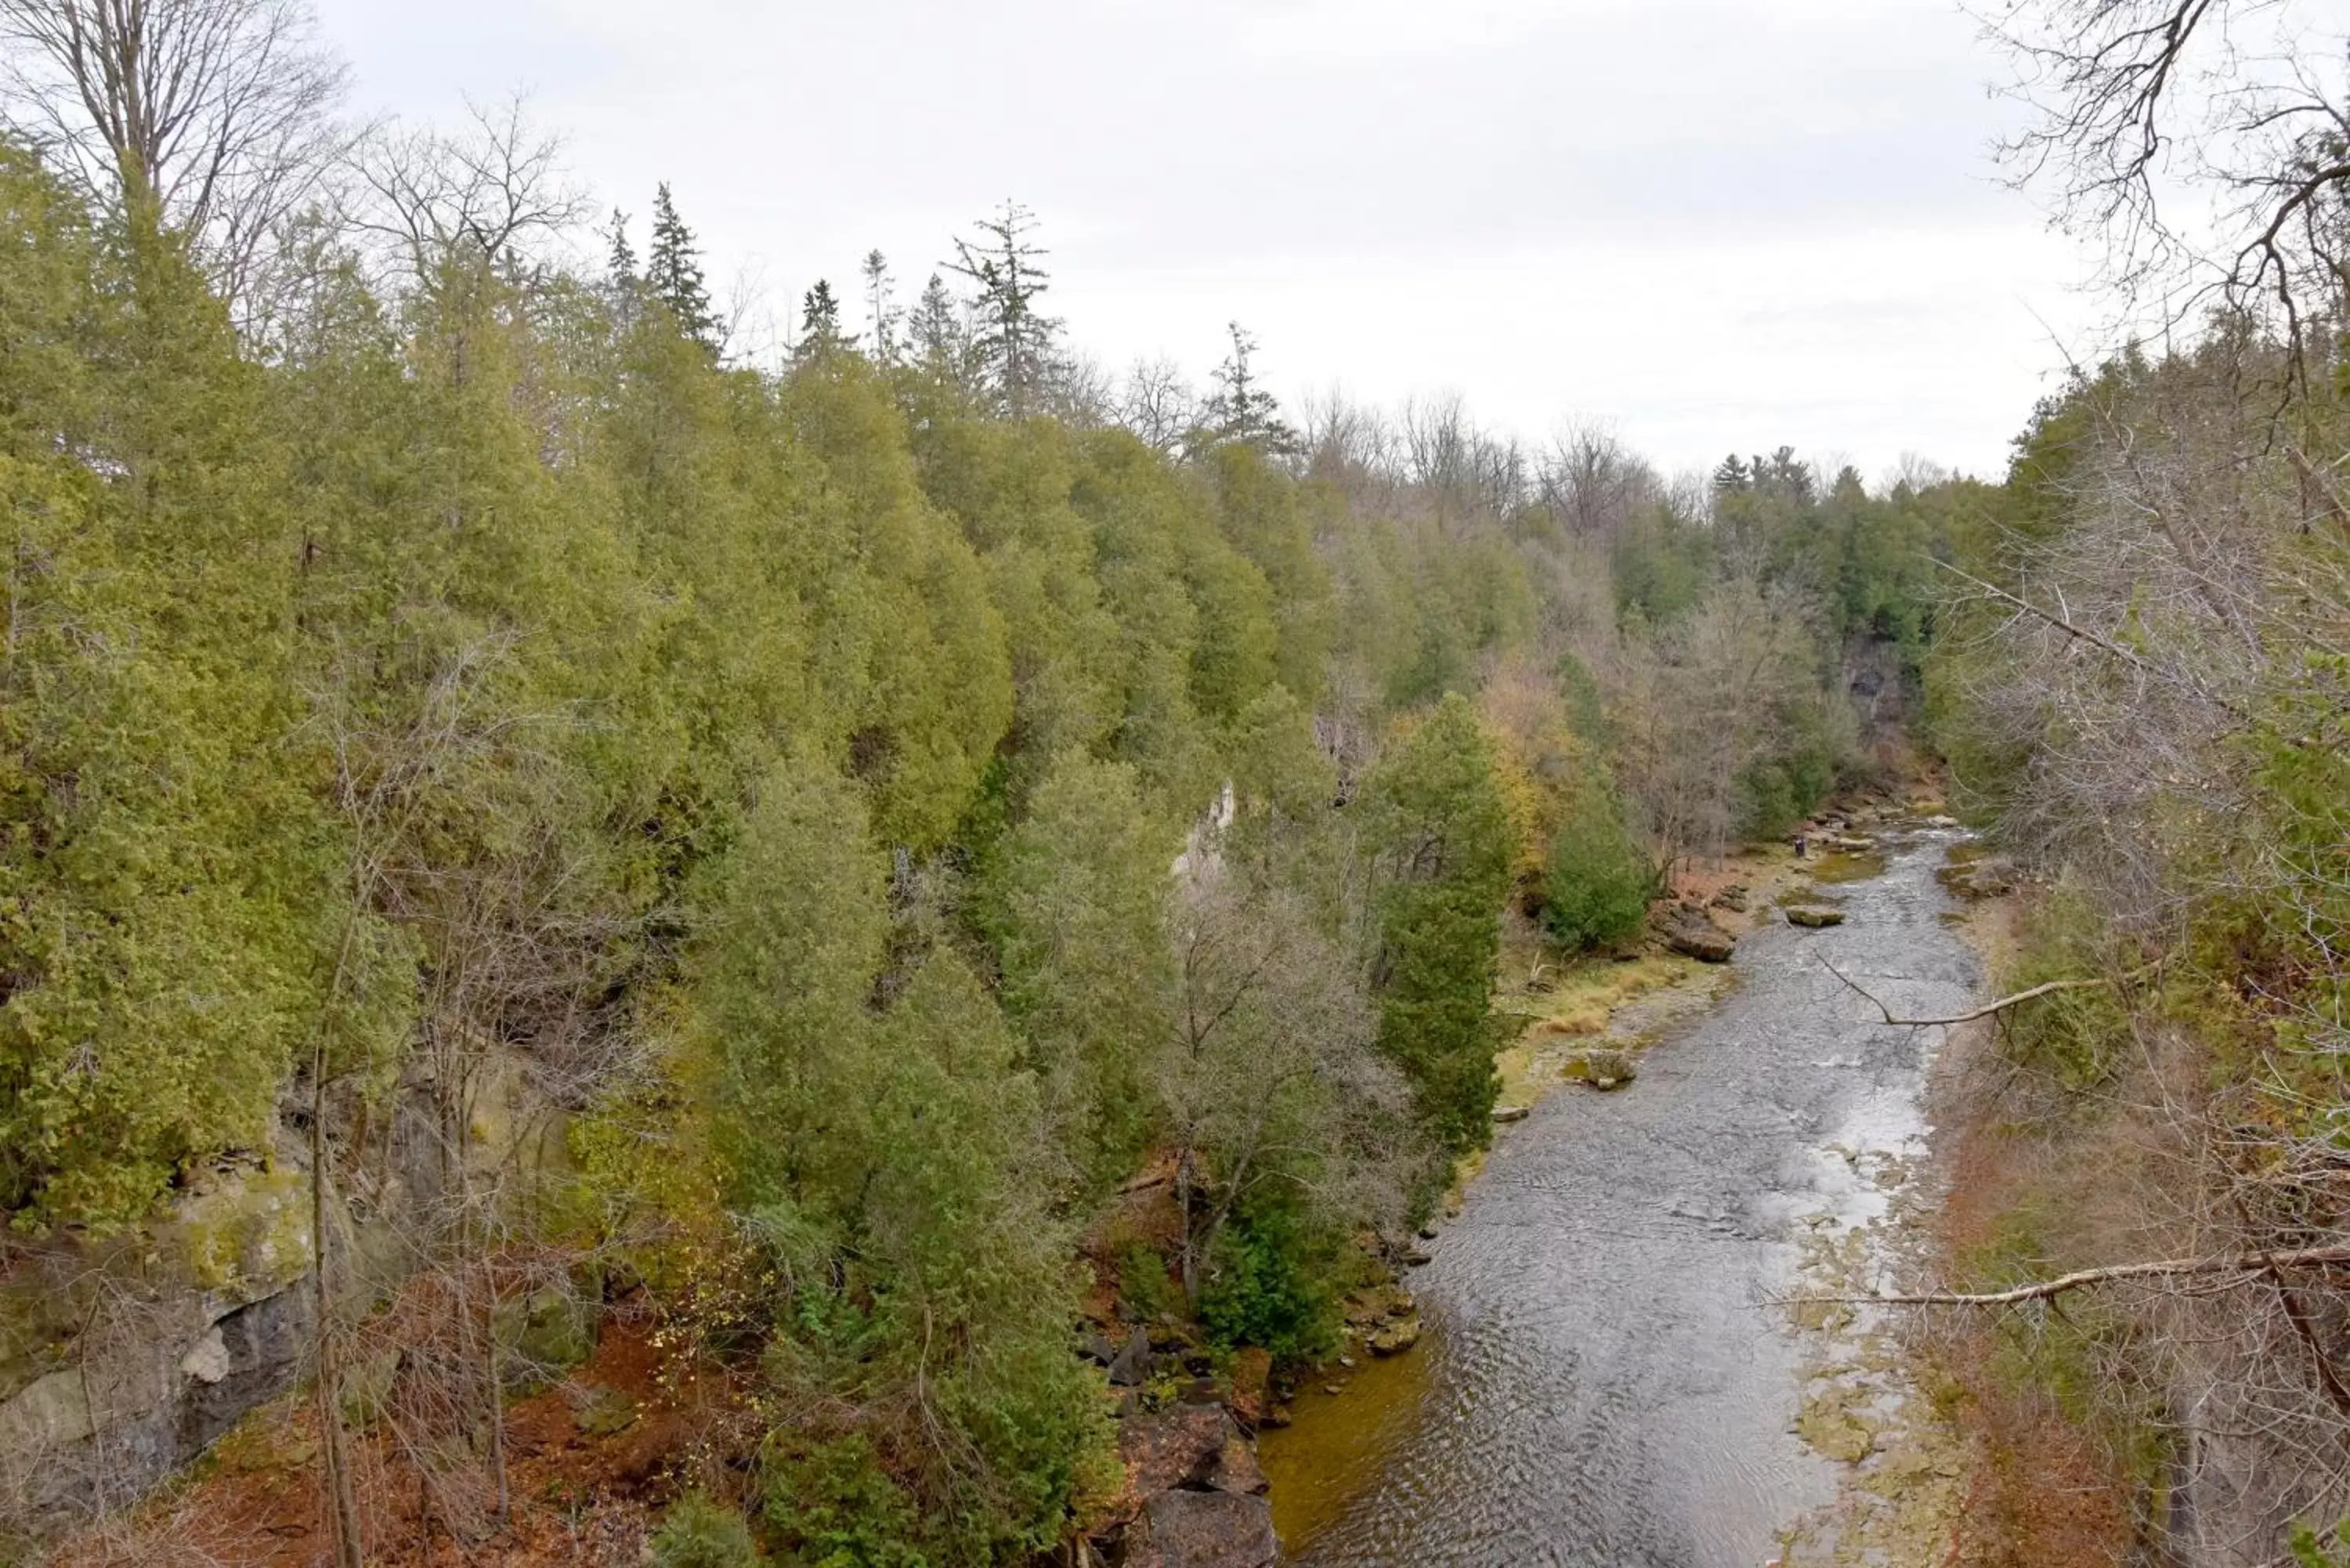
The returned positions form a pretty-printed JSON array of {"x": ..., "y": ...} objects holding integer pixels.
[
  {"x": 1985, "y": 1010},
  {"x": 2253, "y": 1266}
]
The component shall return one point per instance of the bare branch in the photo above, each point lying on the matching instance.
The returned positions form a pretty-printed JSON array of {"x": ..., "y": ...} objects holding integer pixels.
[
  {"x": 1985, "y": 1010},
  {"x": 2252, "y": 1266}
]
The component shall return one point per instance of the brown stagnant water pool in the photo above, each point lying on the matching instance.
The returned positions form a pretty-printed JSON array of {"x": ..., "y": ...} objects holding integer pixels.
[{"x": 1604, "y": 1382}]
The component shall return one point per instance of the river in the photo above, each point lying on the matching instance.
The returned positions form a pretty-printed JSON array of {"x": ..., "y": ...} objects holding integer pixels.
[{"x": 1605, "y": 1383}]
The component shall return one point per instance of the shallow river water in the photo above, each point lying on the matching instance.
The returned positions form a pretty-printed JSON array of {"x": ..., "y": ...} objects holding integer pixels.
[{"x": 1604, "y": 1383}]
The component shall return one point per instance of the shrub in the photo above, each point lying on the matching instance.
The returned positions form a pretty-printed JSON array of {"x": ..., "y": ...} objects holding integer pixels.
[
  {"x": 1271, "y": 1283},
  {"x": 2080, "y": 1038},
  {"x": 700, "y": 1533},
  {"x": 1598, "y": 886},
  {"x": 833, "y": 1505},
  {"x": 1142, "y": 1287}
]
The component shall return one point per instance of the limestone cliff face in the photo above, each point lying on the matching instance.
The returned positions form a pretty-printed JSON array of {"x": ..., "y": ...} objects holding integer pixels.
[
  {"x": 1881, "y": 698},
  {"x": 121, "y": 1360}
]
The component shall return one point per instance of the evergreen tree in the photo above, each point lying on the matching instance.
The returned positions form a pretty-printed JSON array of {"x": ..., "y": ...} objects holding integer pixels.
[
  {"x": 674, "y": 273},
  {"x": 1078, "y": 907},
  {"x": 881, "y": 311},
  {"x": 820, "y": 333},
  {"x": 1440, "y": 833},
  {"x": 1241, "y": 410},
  {"x": 936, "y": 333},
  {"x": 620, "y": 267},
  {"x": 1786, "y": 476},
  {"x": 1014, "y": 345},
  {"x": 1597, "y": 883}
]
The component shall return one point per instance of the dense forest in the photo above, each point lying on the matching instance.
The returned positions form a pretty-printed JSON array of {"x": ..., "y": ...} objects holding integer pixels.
[
  {"x": 791, "y": 843},
  {"x": 471, "y": 694}
]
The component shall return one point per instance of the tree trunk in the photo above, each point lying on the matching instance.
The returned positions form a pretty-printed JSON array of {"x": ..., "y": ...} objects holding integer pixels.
[
  {"x": 1183, "y": 1212},
  {"x": 342, "y": 1498}
]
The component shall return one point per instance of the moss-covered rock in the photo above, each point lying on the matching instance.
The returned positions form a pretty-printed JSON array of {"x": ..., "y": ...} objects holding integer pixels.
[
  {"x": 1830, "y": 1426},
  {"x": 246, "y": 1236},
  {"x": 1601, "y": 1069},
  {"x": 552, "y": 1328}
]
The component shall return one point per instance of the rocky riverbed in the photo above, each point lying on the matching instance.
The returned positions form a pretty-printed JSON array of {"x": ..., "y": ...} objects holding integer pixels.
[{"x": 1607, "y": 1376}]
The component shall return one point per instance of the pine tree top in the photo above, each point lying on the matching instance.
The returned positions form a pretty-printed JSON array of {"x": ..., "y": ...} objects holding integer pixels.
[
  {"x": 673, "y": 273},
  {"x": 1015, "y": 339},
  {"x": 1241, "y": 411}
]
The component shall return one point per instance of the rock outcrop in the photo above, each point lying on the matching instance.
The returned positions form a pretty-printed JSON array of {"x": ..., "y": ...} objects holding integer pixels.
[
  {"x": 1188, "y": 1447},
  {"x": 1202, "y": 1530},
  {"x": 1689, "y": 930},
  {"x": 122, "y": 1359},
  {"x": 120, "y": 1362},
  {"x": 1202, "y": 1490}
]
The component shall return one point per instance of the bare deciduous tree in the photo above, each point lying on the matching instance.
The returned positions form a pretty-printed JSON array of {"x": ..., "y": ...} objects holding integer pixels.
[
  {"x": 1594, "y": 483},
  {"x": 2164, "y": 666},
  {"x": 1704, "y": 699},
  {"x": 213, "y": 117},
  {"x": 2206, "y": 142},
  {"x": 487, "y": 192},
  {"x": 1158, "y": 404},
  {"x": 1273, "y": 1079}
]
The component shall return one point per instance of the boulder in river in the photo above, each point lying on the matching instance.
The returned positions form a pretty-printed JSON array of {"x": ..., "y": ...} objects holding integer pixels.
[
  {"x": 1204, "y": 1530},
  {"x": 1990, "y": 877},
  {"x": 1602, "y": 1069},
  {"x": 1393, "y": 1338},
  {"x": 1814, "y": 915}
]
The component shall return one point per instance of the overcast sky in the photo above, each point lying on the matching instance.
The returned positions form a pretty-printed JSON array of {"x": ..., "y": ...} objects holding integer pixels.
[{"x": 1719, "y": 225}]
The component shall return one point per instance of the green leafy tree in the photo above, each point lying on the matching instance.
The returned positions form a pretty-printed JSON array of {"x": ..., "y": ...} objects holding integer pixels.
[
  {"x": 1078, "y": 907},
  {"x": 1597, "y": 883},
  {"x": 1440, "y": 834},
  {"x": 168, "y": 909}
]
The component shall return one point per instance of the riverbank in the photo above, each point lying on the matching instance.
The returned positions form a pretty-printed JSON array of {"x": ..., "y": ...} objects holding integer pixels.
[{"x": 1605, "y": 1377}]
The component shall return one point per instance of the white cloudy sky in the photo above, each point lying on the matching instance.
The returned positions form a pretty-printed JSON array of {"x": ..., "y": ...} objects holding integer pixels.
[{"x": 1719, "y": 224}]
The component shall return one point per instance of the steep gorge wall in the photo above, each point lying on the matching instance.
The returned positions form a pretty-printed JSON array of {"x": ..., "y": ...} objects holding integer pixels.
[{"x": 123, "y": 1359}]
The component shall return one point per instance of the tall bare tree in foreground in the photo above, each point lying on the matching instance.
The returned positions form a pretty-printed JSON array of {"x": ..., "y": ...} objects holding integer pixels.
[
  {"x": 216, "y": 117},
  {"x": 2206, "y": 142}
]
